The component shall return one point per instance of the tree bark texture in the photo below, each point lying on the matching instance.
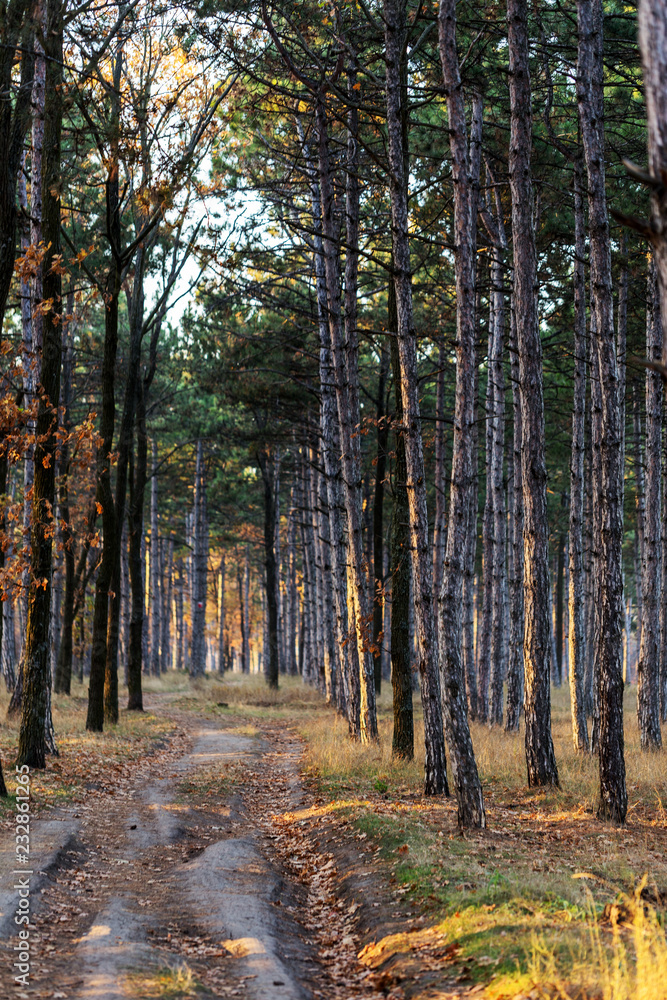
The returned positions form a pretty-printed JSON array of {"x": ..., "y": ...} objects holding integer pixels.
[
  {"x": 609, "y": 488},
  {"x": 435, "y": 764},
  {"x": 648, "y": 667},
  {"x": 540, "y": 757},
  {"x": 467, "y": 785},
  {"x": 199, "y": 568},
  {"x": 577, "y": 637},
  {"x": 515, "y": 667},
  {"x": 345, "y": 366},
  {"x": 403, "y": 740},
  {"x": 34, "y": 735}
]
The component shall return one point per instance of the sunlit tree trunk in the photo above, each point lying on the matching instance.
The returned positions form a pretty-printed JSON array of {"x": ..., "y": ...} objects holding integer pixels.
[{"x": 344, "y": 348}]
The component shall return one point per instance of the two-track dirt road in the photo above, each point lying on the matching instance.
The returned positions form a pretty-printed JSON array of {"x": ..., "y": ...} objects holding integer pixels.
[{"x": 195, "y": 878}]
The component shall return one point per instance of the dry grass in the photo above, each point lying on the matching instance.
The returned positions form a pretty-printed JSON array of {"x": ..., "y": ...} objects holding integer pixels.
[{"x": 86, "y": 761}]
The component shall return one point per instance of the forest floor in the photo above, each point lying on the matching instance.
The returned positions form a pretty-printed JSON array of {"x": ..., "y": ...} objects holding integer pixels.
[{"x": 231, "y": 842}]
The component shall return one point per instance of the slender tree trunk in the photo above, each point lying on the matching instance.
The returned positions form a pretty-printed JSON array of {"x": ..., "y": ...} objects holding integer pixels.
[
  {"x": 347, "y": 396},
  {"x": 640, "y": 501},
  {"x": 222, "y": 663},
  {"x": 378, "y": 517},
  {"x": 349, "y": 689},
  {"x": 609, "y": 488},
  {"x": 155, "y": 602},
  {"x": 498, "y": 656},
  {"x": 484, "y": 624},
  {"x": 63, "y": 672},
  {"x": 199, "y": 571},
  {"x": 403, "y": 739},
  {"x": 138, "y": 479},
  {"x": 34, "y": 733},
  {"x": 271, "y": 662},
  {"x": 95, "y": 717},
  {"x": 540, "y": 757},
  {"x": 397, "y": 124},
  {"x": 653, "y": 44},
  {"x": 246, "y": 608},
  {"x": 515, "y": 665},
  {"x": 648, "y": 667},
  {"x": 577, "y": 637},
  {"x": 440, "y": 523},
  {"x": 663, "y": 593},
  {"x": 466, "y": 194}
]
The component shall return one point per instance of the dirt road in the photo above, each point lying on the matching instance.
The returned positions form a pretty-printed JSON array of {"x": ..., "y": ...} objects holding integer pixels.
[{"x": 192, "y": 879}]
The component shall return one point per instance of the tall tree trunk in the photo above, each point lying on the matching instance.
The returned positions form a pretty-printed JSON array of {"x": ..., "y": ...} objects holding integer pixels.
[
  {"x": 498, "y": 658},
  {"x": 271, "y": 662},
  {"x": 292, "y": 592},
  {"x": 540, "y": 757},
  {"x": 34, "y": 733},
  {"x": 138, "y": 477},
  {"x": 347, "y": 396},
  {"x": 663, "y": 593},
  {"x": 609, "y": 488},
  {"x": 465, "y": 176},
  {"x": 378, "y": 517},
  {"x": 648, "y": 667},
  {"x": 199, "y": 569},
  {"x": 330, "y": 435},
  {"x": 95, "y": 716},
  {"x": 246, "y": 608},
  {"x": 484, "y": 624},
  {"x": 577, "y": 636},
  {"x": 125, "y": 434},
  {"x": 653, "y": 45},
  {"x": 167, "y": 574},
  {"x": 155, "y": 599},
  {"x": 515, "y": 666},
  {"x": 403, "y": 739},
  {"x": 440, "y": 522},
  {"x": 63, "y": 673},
  {"x": 435, "y": 778},
  {"x": 16, "y": 32},
  {"x": 640, "y": 501},
  {"x": 222, "y": 663}
]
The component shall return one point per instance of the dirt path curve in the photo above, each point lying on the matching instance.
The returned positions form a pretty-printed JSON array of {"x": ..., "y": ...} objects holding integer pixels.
[{"x": 188, "y": 882}]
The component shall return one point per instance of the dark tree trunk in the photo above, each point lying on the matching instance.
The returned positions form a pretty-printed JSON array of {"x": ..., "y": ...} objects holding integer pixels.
[
  {"x": 15, "y": 28},
  {"x": 515, "y": 668},
  {"x": 577, "y": 636},
  {"x": 103, "y": 584},
  {"x": 136, "y": 311},
  {"x": 403, "y": 740},
  {"x": 540, "y": 757},
  {"x": 466, "y": 194},
  {"x": 609, "y": 488},
  {"x": 378, "y": 518},
  {"x": 63, "y": 677},
  {"x": 397, "y": 124},
  {"x": 271, "y": 663},
  {"x": 648, "y": 667},
  {"x": 33, "y": 736},
  {"x": 138, "y": 468}
]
